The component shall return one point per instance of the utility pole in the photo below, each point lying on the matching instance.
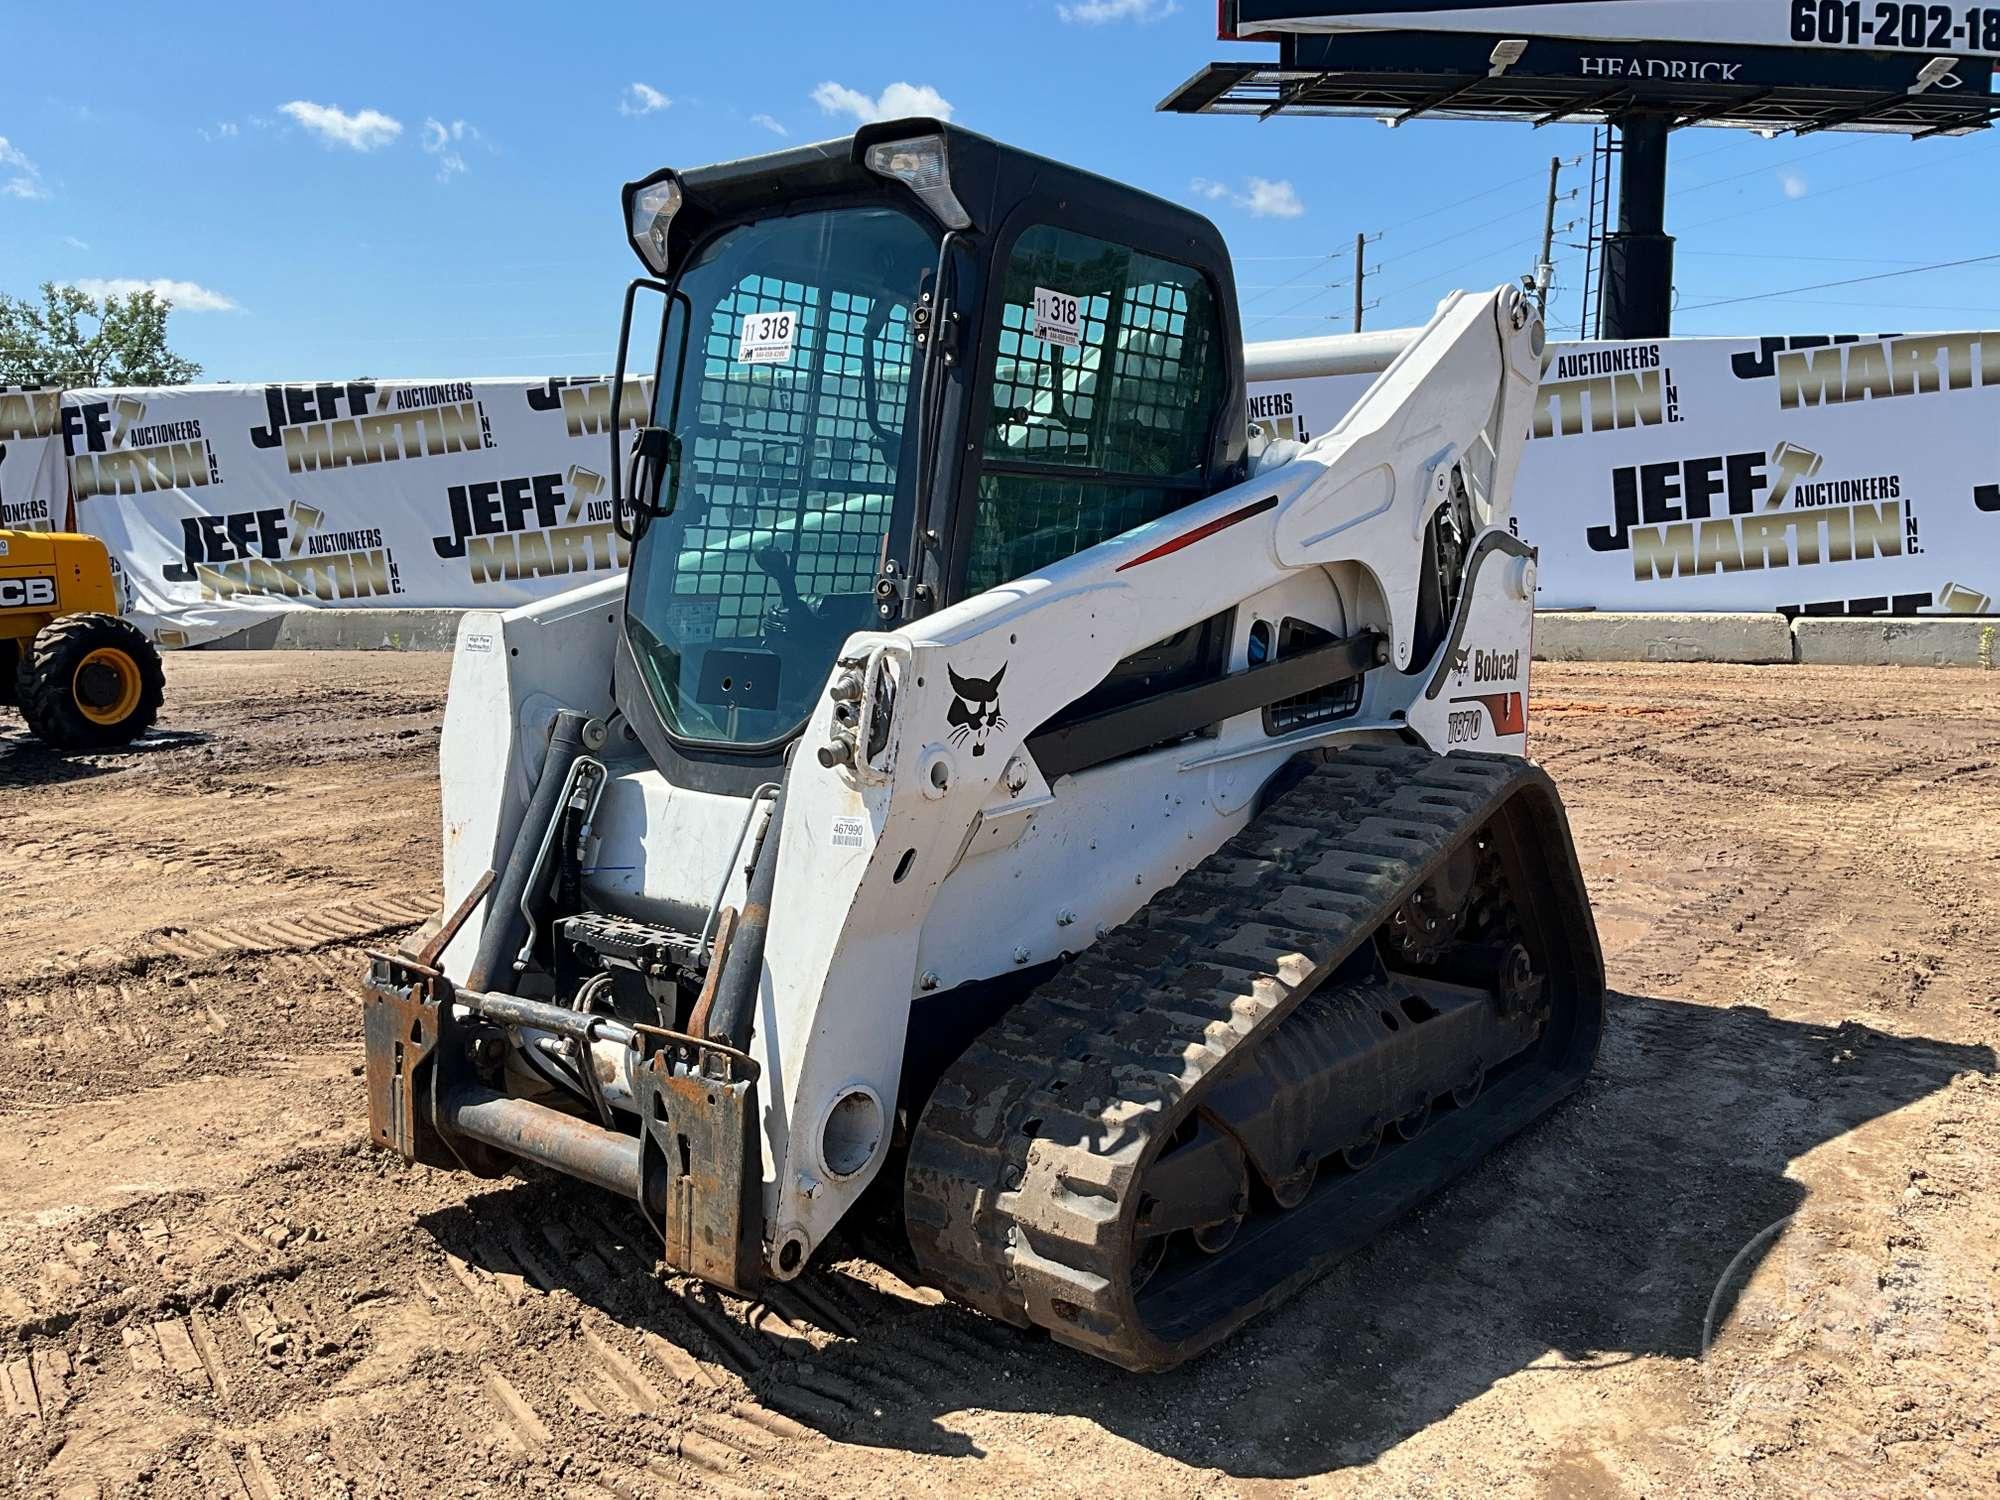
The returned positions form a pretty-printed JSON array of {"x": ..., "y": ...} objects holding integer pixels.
[
  {"x": 1545, "y": 269},
  {"x": 1360, "y": 278}
]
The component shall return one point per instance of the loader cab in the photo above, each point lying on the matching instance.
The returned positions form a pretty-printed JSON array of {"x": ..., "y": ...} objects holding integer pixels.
[{"x": 894, "y": 371}]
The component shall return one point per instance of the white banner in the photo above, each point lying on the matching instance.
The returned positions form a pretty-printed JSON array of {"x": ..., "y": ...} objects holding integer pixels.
[
  {"x": 1852, "y": 476},
  {"x": 1862, "y": 25},
  {"x": 226, "y": 504},
  {"x": 31, "y": 470}
]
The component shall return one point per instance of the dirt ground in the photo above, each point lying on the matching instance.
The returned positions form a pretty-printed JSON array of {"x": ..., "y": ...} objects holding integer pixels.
[{"x": 1756, "y": 1256}]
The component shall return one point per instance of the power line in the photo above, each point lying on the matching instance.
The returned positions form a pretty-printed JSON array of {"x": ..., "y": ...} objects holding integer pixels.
[
  {"x": 1758, "y": 171},
  {"x": 1458, "y": 203},
  {"x": 1844, "y": 187},
  {"x": 1824, "y": 286},
  {"x": 1843, "y": 260},
  {"x": 1295, "y": 280},
  {"x": 1950, "y": 307}
]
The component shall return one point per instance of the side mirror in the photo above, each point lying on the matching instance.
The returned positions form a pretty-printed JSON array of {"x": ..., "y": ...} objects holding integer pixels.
[{"x": 656, "y": 452}]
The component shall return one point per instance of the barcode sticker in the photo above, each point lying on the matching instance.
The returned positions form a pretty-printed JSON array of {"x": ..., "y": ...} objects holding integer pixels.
[
  {"x": 850, "y": 833},
  {"x": 766, "y": 338},
  {"x": 1058, "y": 318}
]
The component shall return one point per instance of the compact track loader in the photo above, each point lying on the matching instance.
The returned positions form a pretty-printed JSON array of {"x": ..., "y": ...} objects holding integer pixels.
[
  {"x": 83, "y": 678},
  {"x": 996, "y": 784}
]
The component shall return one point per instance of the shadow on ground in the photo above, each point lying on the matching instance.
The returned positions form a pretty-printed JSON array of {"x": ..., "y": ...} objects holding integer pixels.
[
  {"x": 26, "y": 761},
  {"x": 1601, "y": 1234}
]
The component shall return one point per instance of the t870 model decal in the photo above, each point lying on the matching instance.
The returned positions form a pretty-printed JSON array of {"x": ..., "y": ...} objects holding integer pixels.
[{"x": 975, "y": 712}]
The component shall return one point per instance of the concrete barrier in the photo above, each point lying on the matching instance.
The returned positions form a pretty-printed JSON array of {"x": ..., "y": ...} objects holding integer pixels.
[
  {"x": 1928, "y": 641},
  {"x": 1750, "y": 640},
  {"x": 1560, "y": 635},
  {"x": 348, "y": 630}
]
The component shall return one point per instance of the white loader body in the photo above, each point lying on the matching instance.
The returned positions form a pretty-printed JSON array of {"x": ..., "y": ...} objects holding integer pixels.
[{"x": 946, "y": 856}]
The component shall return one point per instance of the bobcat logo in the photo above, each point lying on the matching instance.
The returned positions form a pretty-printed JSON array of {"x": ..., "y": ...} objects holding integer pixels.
[
  {"x": 1461, "y": 666},
  {"x": 975, "y": 713}
]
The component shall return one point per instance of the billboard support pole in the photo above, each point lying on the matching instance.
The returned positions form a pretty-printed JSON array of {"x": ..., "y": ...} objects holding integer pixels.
[{"x": 1638, "y": 287}]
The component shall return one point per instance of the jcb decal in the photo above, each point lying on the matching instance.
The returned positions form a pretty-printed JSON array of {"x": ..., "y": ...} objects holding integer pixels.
[{"x": 36, "y": 592}]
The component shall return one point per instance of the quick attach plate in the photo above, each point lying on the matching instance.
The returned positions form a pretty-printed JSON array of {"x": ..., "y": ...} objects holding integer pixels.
[
  {"x": 701, "y": 1184},
  {"x": 410, "y": 1040}
]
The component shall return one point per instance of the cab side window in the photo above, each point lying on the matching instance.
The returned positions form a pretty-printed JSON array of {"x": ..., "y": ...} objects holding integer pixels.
[{"x": 1108, "y": 370}]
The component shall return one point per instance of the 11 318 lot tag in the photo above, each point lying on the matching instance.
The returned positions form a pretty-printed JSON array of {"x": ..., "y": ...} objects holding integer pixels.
[{"x": 1058, "y": 318}]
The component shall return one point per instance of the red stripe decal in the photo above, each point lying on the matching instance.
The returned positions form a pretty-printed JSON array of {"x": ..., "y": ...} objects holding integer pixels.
[
  {"x": 1509, "y": 711},
  {"x": 1202, "y": 533}
]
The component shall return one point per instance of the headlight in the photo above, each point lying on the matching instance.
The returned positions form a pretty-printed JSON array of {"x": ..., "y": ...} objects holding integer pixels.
[
  {"x": 653, "y": 208},
  {"x": 921, "y": 165}
]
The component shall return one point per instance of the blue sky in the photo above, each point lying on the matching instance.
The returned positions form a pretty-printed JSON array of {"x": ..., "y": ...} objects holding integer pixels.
[{"x": 415, "y": 190}]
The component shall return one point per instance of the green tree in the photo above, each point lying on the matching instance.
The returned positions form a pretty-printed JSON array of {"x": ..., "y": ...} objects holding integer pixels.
[{"x": 50, "y": 345}]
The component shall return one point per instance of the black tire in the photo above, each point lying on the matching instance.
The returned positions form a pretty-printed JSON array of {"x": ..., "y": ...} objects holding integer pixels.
[
  {"x": 10, "y": 656},
  {"x": 89, "y": 681}
]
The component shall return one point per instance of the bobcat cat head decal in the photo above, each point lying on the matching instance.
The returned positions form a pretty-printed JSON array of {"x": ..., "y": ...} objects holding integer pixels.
[{"x": 975, "y": 712}]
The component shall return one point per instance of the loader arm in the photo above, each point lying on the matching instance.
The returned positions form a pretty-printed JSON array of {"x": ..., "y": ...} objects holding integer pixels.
[{"x": 868, "y": 840}]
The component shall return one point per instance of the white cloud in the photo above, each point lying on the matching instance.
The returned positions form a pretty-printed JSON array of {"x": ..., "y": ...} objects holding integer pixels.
[
  {"x": 223, "y": 130},
  {"x": 1795, "y": 186},
  {"x": 186, "y": 296},
  {"x": 1272, "y": 200},
  {"x": 25, "y": 180},
  {"x": 642, "y": 99},
  {"x": 365, "y": 131},
  {"x": 1261, "y": 198},
  {"x": 894, "y": 102},
  {"x": 442, "y": 141},
  {"x": 1097, "y": 12},
  {"x": 769, "y": 124},
  {"x": 74, "y": 243}
]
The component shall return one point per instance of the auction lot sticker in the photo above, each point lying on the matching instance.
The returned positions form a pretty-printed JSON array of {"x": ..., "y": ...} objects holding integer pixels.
[
  {"x": 1058, "y": 318},
  {"x": 767, "y": 338}
]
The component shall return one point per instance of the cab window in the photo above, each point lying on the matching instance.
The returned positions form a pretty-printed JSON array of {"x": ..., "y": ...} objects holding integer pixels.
[{"x": 1107, "y": 372}]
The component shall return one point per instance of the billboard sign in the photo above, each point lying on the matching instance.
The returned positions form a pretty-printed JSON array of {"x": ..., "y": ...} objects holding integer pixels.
[
  {"x": 1863, "y": 25},
  {"x": 1658, "y": 65},
  {"x": 1871, "y": 65}
]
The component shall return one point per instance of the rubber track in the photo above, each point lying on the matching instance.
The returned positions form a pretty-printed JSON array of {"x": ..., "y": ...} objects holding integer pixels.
[{"x": 1022, "y": 1173}]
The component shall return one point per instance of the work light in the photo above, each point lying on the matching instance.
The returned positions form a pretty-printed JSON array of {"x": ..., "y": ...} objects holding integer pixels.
[
  {"x": 652, "y": 209},
  {"x": 920, "y": 164}
]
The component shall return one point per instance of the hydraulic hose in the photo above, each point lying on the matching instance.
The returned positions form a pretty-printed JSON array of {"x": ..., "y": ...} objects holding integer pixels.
[
  {"x": 735, "y": 1004},
  {"x": 501, "y": 937}
]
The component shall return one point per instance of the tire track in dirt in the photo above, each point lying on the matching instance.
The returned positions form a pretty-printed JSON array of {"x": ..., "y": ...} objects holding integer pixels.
[
  {"x": 206, "y": 1278},
  {"x": 207, "y": 1001},
  {"x": 260, "y": 1356}
]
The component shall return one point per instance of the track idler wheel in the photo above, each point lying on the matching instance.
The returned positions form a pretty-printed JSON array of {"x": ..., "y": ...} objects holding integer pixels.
[
  {"x": 1467, "y": 1092},
  {"x": 1213, "y": 1239},
  {"x": 1358, "y": 1156},
  {"x": 1201, "y": 1185},
  {"x": 1290, "y": 1192},
  {"x": 1411, "y": 1125}
]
